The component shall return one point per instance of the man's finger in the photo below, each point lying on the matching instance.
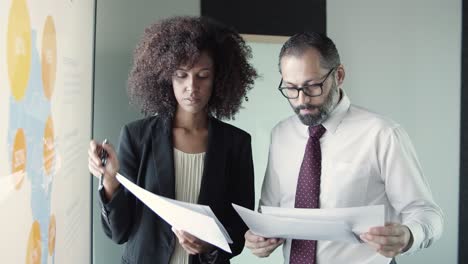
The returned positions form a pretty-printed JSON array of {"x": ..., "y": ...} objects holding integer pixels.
[
  {"x": 263, "y": 244},
  {"x": 249, "y": 236},
  {"x": 371, "y": 243},
  {"x": 390, "y": 230},
  {"x": 266, "y": 251},
  {"x": 393, "y": 248},
  {"x": 385, "y": 240}
]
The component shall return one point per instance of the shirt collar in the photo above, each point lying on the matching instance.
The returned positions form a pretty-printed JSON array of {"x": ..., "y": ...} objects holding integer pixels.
[{"x": 337, "y": 115}]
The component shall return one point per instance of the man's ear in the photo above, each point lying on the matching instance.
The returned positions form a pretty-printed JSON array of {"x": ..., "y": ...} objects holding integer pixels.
[{"x": 340, "y": 75}]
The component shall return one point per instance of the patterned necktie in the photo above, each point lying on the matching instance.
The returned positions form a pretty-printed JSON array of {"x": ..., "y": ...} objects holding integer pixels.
[{"x": 307, "y": 194}]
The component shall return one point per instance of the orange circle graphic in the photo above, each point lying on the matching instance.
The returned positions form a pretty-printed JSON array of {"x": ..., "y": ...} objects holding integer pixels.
[
  {"x": 48, "y": 146},
  {"x": 52, "y": 230},
  {"x": 33, "y": 254},
  {"x": 18, "y": 160},
  {"x": 49, "y": 57}
]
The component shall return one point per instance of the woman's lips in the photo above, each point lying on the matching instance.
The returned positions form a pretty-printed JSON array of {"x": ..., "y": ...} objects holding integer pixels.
[{"x": 192, "y": 100}]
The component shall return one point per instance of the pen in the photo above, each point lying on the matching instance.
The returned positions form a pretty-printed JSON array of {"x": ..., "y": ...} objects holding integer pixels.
[{"x": 103, "y": 156}]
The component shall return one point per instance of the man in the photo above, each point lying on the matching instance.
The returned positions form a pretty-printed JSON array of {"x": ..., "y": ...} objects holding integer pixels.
[{"x": 332, "y": 154}]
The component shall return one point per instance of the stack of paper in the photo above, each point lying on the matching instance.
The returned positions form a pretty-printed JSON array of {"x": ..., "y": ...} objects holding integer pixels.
[
  {"x": 198, "y": 220},
  {"x": 338, "y": 224}
]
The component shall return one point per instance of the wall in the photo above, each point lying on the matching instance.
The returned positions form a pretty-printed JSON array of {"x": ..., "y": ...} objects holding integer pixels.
[{"x": 403, "y": 60}]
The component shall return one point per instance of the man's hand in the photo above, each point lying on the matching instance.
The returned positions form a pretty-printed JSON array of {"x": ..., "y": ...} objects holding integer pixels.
[
  {"x": 192, "y": 244},
  {"x": 389, "y": 240},
  {"x": 261, "y": 246}
]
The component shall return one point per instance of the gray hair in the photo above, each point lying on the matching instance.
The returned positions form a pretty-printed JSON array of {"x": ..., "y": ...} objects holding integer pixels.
[{"x": 299, "y": 43}]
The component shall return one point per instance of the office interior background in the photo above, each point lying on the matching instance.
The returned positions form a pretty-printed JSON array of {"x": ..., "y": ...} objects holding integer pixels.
[{"x": 403, "y": 59}]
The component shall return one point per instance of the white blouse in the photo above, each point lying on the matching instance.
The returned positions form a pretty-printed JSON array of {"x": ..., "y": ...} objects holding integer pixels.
[{"x": 188, "y": 175}]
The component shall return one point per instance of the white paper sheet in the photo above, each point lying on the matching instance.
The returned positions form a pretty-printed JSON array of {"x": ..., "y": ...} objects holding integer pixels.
[
  {"x": 359, "y": 218},
  {"x": 294, "y": 228},
  {"x": 205, "y": 210},
  {"x": 180, "y": 217}
]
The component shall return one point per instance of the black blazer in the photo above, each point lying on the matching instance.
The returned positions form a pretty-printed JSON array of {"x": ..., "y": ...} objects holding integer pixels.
[{"x": 146, "y": 158}]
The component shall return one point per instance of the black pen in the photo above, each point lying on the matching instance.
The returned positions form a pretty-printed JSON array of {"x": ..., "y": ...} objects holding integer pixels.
[{"x": 103, "y": 156}]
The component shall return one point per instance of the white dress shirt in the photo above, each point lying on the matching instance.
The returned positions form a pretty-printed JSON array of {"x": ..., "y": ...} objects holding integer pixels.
[{"x": 367, "y": 159}]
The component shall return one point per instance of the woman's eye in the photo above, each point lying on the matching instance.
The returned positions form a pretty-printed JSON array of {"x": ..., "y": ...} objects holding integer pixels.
[
  {"x": 204, "y": 75},
  {"x": 180, "y": 74}
]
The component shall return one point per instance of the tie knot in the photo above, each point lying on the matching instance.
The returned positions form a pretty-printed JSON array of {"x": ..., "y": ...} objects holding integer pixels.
[{"x": 316, "y": 131}]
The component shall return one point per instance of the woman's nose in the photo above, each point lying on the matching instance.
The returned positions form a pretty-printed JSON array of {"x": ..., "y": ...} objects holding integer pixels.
[{"x": 191, "y": 85}]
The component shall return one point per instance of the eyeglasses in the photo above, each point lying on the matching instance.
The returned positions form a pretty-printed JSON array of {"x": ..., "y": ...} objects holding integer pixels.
[{"x": 312, "y": 90}]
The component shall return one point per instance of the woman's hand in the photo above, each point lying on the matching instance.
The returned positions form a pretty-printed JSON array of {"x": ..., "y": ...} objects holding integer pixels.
[
  {"x": 192, "y": 244},
  {"x": 109, "y": 171}
]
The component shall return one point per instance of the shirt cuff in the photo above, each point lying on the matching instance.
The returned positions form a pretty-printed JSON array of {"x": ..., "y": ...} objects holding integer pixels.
[{"x": 418, "y": 237}]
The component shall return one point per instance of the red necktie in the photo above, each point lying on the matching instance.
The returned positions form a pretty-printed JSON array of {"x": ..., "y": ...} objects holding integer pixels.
[{"x": 308, "y": 194}]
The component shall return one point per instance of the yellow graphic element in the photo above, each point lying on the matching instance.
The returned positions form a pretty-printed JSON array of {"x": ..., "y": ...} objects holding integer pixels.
[
  {"x": 48, "y": 146},
  {"x": 49, "y": 57},
  {"x": 19, "y": 48},
  {"x": 52, "y": 229},
  {"x": 33, "y": 254},
  {"x": 18, "y": 159}
]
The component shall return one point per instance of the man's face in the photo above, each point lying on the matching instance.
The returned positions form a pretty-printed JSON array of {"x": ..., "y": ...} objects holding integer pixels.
[{"x": 302, "y": 70}]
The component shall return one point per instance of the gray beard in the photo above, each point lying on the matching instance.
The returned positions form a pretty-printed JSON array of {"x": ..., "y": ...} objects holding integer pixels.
[{"x": 324, "y": 110}]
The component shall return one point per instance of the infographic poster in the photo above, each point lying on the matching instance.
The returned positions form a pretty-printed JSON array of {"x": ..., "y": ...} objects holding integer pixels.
[{"x": 46, "y": 70}]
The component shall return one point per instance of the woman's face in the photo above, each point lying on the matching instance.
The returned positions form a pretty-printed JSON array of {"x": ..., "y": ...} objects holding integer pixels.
[{"x": 193, "y": 86}]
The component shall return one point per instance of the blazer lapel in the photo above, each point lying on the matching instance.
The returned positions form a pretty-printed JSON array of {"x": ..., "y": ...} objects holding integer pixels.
[
  {"x": 163, "y": 154},
  {"x": 213, "y": 161}
]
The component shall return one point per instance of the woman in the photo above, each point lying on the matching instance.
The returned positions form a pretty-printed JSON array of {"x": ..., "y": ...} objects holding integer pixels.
[{"x": 188, "y": 72}]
